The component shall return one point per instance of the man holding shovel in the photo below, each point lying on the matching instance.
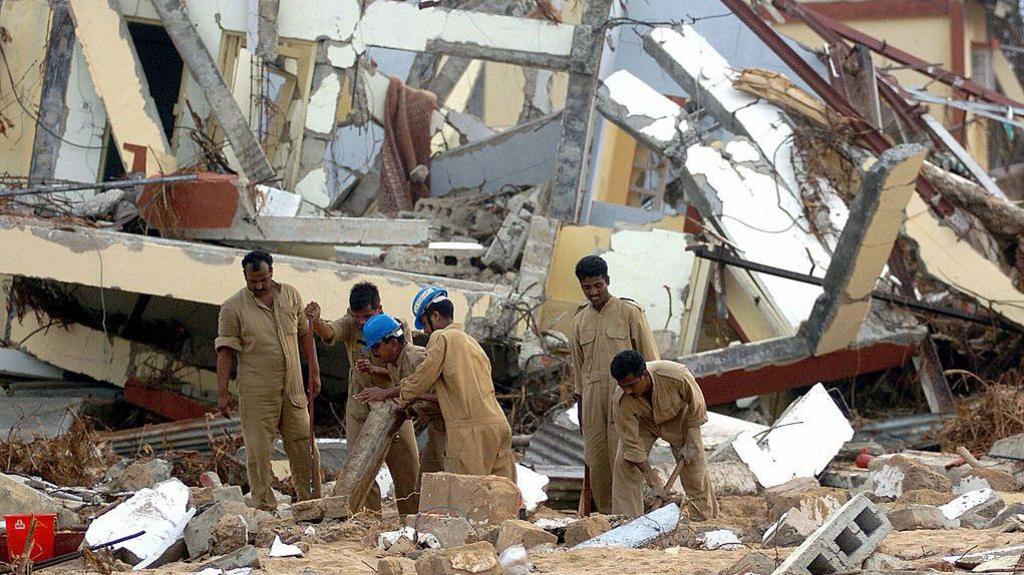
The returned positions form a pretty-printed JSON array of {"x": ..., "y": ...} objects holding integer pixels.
[
  {"x": 261, "y": 326},
  {"x": 659, "y": 399}
]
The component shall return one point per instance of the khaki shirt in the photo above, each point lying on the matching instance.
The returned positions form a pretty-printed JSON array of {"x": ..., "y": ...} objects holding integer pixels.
[
  {"x": 266, "y": 339},
  {"x": 458, "y": 371},
  {"x": 677, "y": 406},
  {"x": 598, "y": 336},
  {"x": 346, "y": 331},
  {"x": 428, "y": 412}
]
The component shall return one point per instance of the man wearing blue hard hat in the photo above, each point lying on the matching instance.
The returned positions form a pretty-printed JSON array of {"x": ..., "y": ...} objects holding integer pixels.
[
  {"x": 365, "y": 372},
  {"x": 386, "y": 341},
  {"x": 479, "y": 438}
]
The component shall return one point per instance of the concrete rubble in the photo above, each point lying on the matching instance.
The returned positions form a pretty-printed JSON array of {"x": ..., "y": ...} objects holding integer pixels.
[{"x": 846, "y": 297}]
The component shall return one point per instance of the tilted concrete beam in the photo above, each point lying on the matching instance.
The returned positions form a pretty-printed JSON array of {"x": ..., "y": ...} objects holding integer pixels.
[
  {"x": 225, "y": 109},
  {"x": 876, "y": 216},
  {"x": 204, "y": 273},
  {"x": 651, "y": 118},
  {"x": 327, "y": 231},
  {"x": 120, "y": 82}
]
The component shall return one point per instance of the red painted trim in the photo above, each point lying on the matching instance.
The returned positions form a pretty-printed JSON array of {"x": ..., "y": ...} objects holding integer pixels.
[
  {"x": 169, "y": 404},
  {"x": 733, "y": 385},
  {"x": 880, "y": 9}
]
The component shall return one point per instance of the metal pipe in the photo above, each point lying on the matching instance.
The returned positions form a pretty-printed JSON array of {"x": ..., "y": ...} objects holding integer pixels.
[
  {"x": 58, "y": 188},
  {"x": 719, "y": 255}
]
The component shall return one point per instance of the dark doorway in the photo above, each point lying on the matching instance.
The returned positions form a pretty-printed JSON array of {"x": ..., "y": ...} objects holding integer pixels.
[{"x": 163, "y": 69}]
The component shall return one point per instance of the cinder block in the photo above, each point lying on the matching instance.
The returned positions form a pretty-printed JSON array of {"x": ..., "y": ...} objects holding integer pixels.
[{"x": 849, "y": 536}]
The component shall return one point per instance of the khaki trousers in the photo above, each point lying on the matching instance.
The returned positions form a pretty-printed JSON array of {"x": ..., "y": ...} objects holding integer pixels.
[
  {"x": 600, "y": 441},
  {"x": 700, "y": 503},
  {"x": 265, "y": 410},
  {"x": 403, "y": 464},
  {"x": 480, "y": 449},
  {"x": 432, "y": 456}
]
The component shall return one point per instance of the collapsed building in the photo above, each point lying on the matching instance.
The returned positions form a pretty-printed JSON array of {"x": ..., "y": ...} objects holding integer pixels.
[{"x": 816, "y": 216}]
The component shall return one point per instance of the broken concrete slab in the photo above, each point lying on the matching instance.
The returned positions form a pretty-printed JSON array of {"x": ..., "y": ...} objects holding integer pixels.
[
  {"x": 718, "y": 539},
  {"x": 862, "y": 252},
  {"x": 586, "y": 529},
  {"x": 18, "y": 498},
  {"x": 638, "y": 532},
  {"x": 509, "y": 242},
  {"x": 974, "y": 509},
  {"x": 644, "y": 113},
  {"x": 222, "y": 520},
  {"x": 16, "y": 363},
  {"x": 321, "y": 231},
  {"x": 520, "y": 156},
  {"x": 446, "y": 259},
  {"x": 973, "y": 478},
  {"x": 849, "y": 537},
  {"x": 817, "y": 503},
  {"x": 1011, "y": 447},
  {"x": 518, "y": 532},
  {"x": 162, "y": 512},
  {"x": 801, "y": 443},
  {"x": 477, "y": 558},
  {"x": 481, "y": 500},
  {"x": 914, "y": 517}
]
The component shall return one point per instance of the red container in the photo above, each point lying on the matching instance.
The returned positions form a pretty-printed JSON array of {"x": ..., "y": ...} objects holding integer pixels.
[{"x": 42, "y": 538}]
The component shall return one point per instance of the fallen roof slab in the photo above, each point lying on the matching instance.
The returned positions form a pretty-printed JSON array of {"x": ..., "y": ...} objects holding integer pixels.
[
  {"x": 203, "y": 273},
  {"x": 14, "y": 363}
]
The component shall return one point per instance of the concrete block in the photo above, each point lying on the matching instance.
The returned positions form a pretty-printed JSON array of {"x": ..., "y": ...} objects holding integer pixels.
[
  {"x": 793, "y": 528},
  {"x": 395, "y": 566},
  {"x": 586, "y": 528},
  {"x": 474, "y": 559},
  {"x": 638, "y": 532},
  {"x": 447, "y": 259},
  {"x": 204, "y": 530},
  {"x": 914, "y": 517},
  {"x": 200, "y": 497},
  {"x": 517, "y": 532},
  {"x": 229, "y": 533},
  {"x": 449, "y": 531},
  {"x": 315, "y": 510},
  {"x": 849, "y": 537},
  {"x": 732, "y": 478},
  {"x": 481, "y": 500}
]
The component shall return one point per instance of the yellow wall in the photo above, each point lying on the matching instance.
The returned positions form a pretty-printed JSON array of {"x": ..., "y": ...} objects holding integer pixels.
[
  {"x": 563, "y": 290},
  {"x": 27, "y": 21},
  {"x": 615, "y": 163}
]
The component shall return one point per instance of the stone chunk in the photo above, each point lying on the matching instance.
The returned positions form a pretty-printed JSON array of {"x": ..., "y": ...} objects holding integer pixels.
[
  {"x": 790, "y": 530},
  {"x": 517, "y": 532},
  {"x": 395, "y": 566},
  {"x": 891, "y": 476},
  {"x": 200, "y": 496},
  {"x": 228, "y": 493},
  {"x": 586, "y": 528},
  {"x": 335, "y": 507},
  {"x": 482, "y": 499},
  {"x": 228, "y": 534},
  {"x": 914, "y": 517},
  {"x": 732, "y": 478},
  {"x": 449, "y": 531},
  {"x": 974, "y": 509},
  {"x": 474, "y": 559},
  {"x": 246, "y": 556},
  {"x": 1009, "y": 447},
  {"x": 202, "y": 531},
  {"x": 209, "y": 479},
  {"x": 816, "y": 502},
  {"x": 995, "y": 479},
  {"x": 139, "y": 475}
]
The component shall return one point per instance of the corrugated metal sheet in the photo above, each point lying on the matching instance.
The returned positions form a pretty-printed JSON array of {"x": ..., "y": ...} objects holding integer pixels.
[
  {"x": 557, "y": 442},
  {"x": 189, "y": 434}
]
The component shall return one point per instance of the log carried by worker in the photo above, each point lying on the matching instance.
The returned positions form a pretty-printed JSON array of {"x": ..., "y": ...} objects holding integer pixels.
[
  {"x": 603, "y": 327},
  {"x": 456, "y": 369},
  {"x": 261, "y": 326},
  {"x": 366, "y": 371},
  {"x": 659, "y": 399}
]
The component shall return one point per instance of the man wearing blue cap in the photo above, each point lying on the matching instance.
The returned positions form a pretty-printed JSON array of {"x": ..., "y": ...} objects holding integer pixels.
[
  {"x": 365, "y": 372},
  {"x": 479, "y": 438},
  {"x": 385, "y": 338}
]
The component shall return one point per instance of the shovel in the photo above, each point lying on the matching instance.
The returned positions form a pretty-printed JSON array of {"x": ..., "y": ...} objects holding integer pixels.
[{"x": 314, "y": 454}]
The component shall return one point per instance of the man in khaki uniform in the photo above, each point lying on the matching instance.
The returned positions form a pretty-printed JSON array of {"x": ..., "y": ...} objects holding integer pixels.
[
  {"x": 261, "y": 326},
  {"x": 479, "y": 438},
  {"x": 366, "y": 372},
  {"x": 386, "y": 338},
  {"x": 659, "y": 399},
  {"x": 602, "y": 328}
]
